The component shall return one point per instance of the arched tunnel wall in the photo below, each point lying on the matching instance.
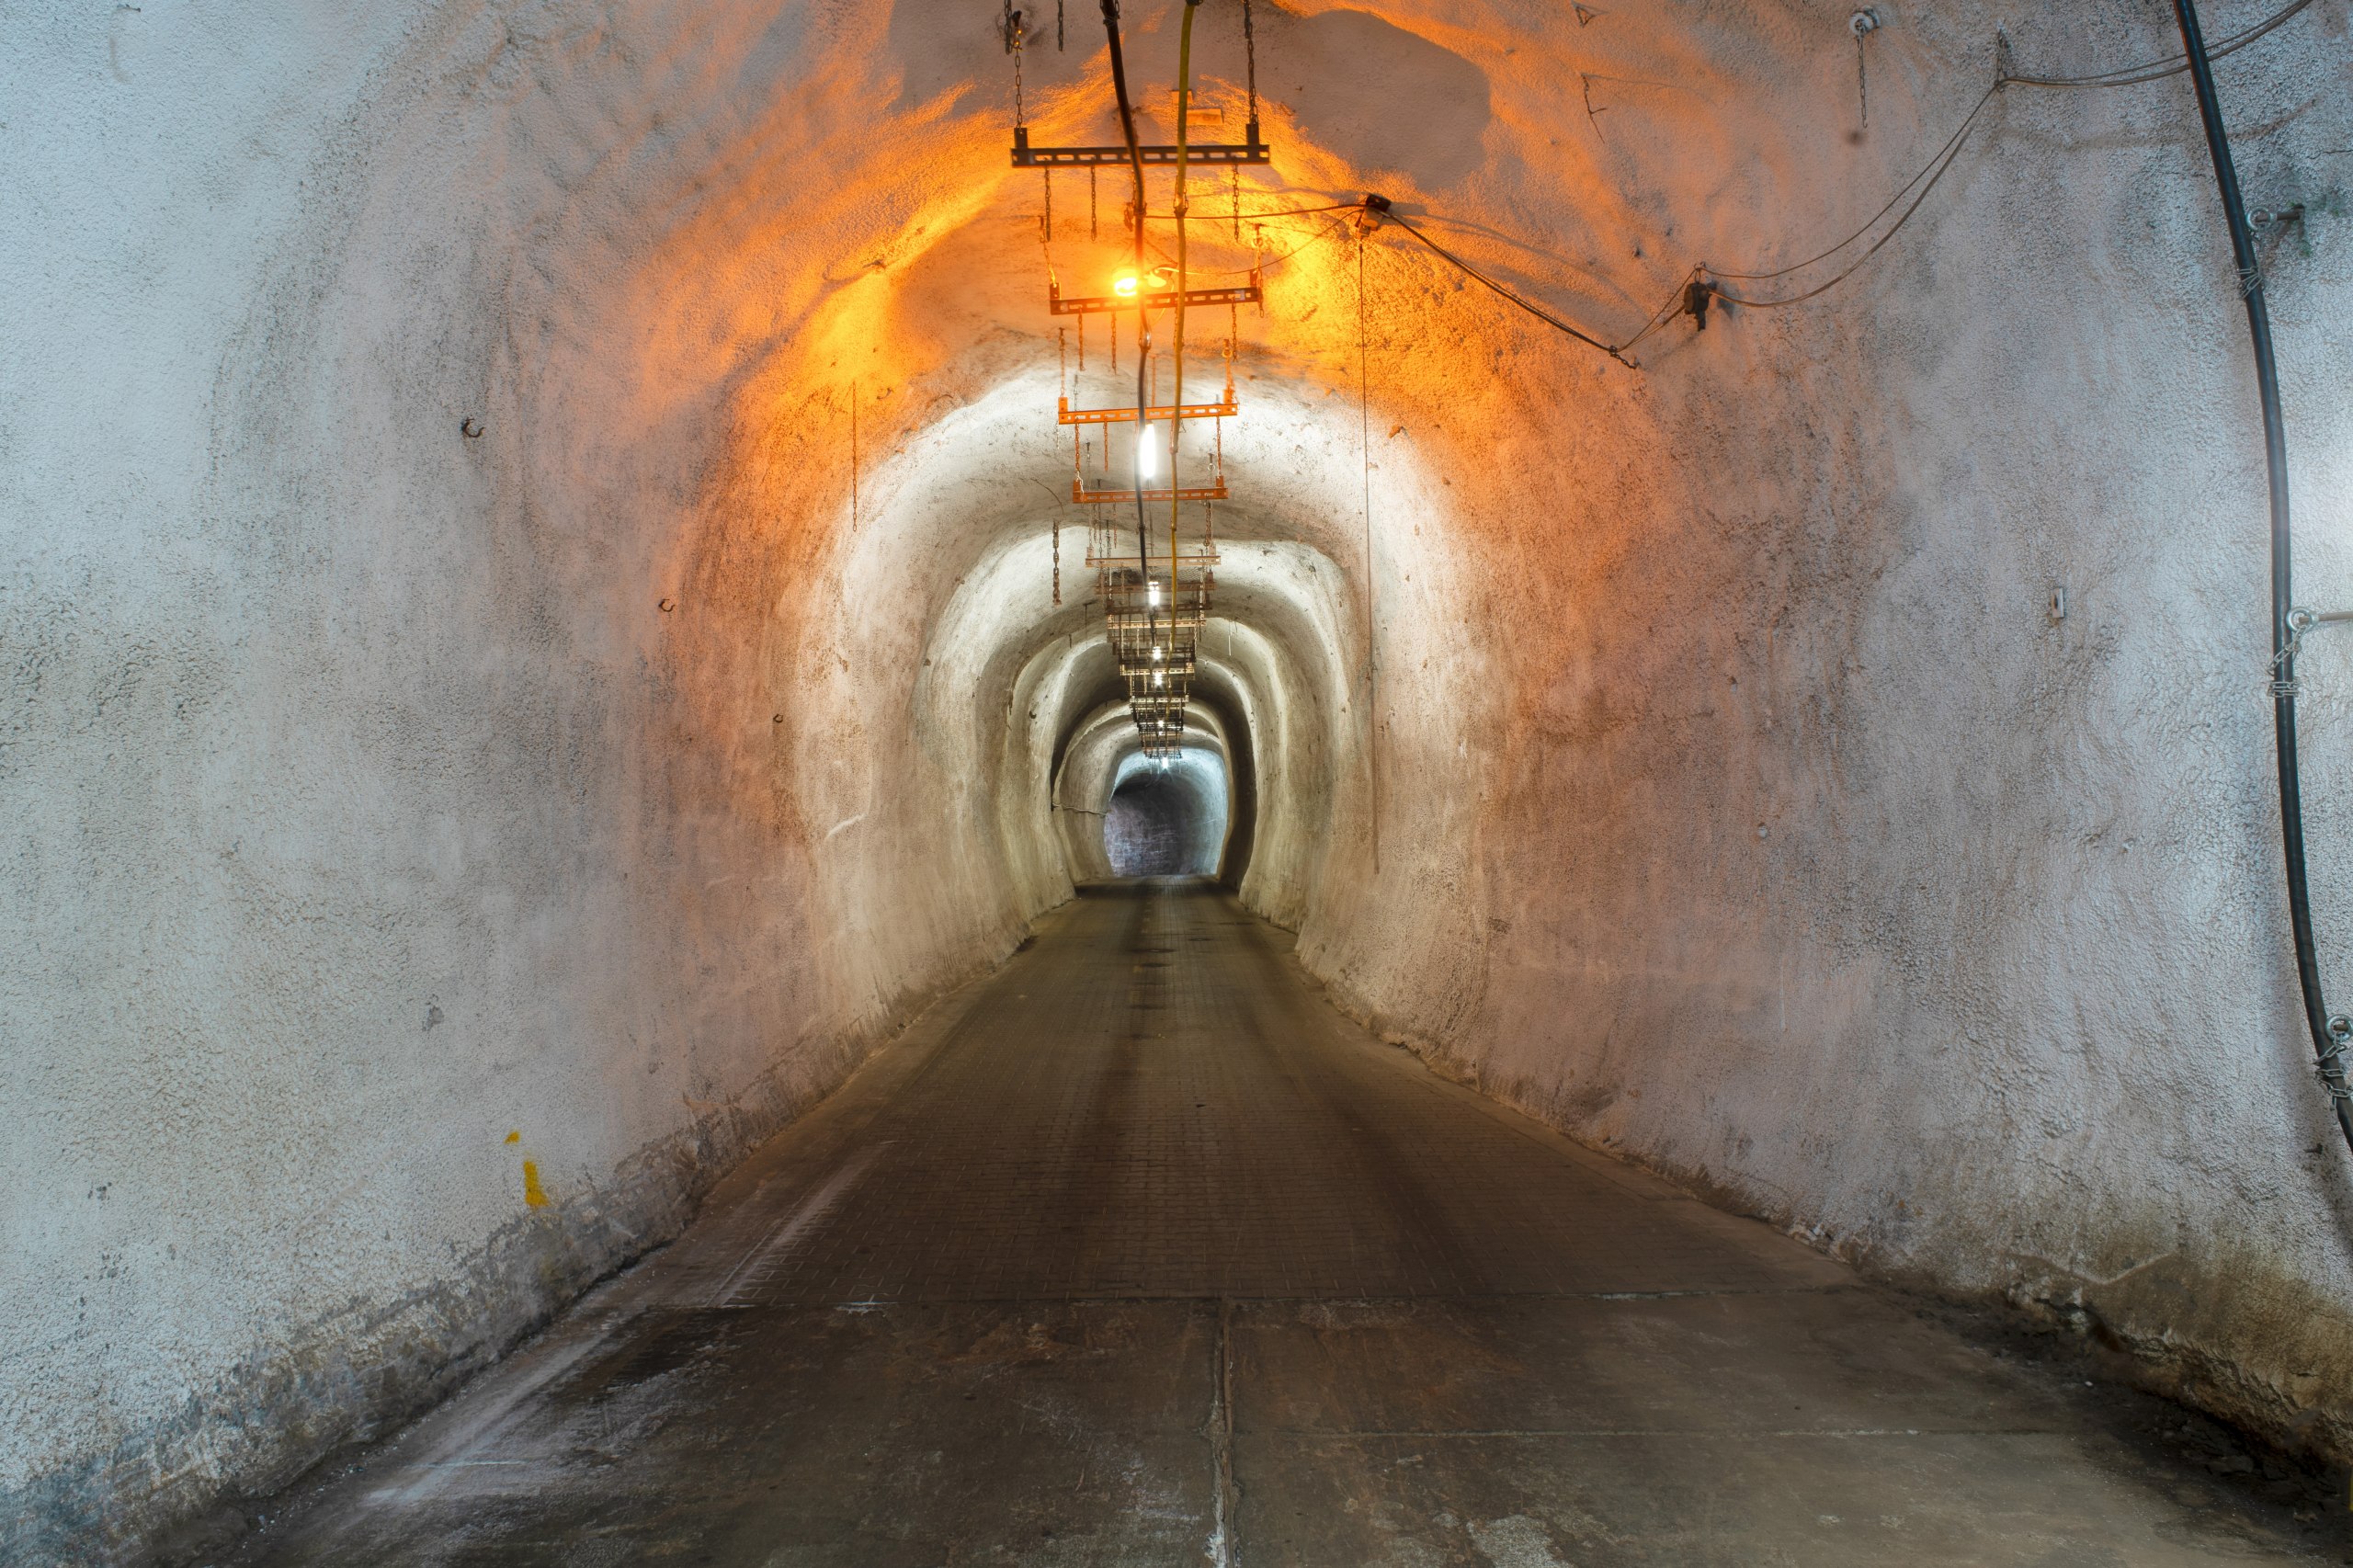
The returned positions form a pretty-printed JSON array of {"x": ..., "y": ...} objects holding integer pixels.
[{"x": 488, "y": 740}]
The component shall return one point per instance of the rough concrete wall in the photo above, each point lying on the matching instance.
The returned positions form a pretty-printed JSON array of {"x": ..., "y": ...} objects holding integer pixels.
[
  {"x": 1818, "y": 863},
  {"x": 422, "y": 881},
  {"x": 1686, "y": 755}
]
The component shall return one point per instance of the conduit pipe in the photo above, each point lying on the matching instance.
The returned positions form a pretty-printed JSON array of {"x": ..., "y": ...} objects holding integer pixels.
[{"x": 2330, "y": 1033}]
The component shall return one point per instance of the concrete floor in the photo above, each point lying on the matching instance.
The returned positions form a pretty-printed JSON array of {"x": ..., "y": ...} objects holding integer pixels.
[{"x": 1136, "y": 1252}]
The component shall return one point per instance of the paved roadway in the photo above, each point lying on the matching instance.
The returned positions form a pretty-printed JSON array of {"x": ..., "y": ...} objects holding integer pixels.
[{"x": 1138, "y": 1253}]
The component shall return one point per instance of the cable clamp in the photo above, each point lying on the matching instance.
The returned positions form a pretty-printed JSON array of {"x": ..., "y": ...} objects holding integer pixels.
[
  {"x": 2331, "y": 1065},
  {"x": 2284, "y": 682}
]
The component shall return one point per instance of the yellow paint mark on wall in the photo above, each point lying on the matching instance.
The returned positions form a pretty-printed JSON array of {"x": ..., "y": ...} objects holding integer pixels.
[
  {"x": 515, "y": 1136},
  {"x": 533, "y": 1193}
]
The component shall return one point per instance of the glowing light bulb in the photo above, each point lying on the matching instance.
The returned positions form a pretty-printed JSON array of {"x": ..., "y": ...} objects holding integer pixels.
[
  {"x": 1147, "y": 454},
  {"x": 1124, "y": 283},
  {"x": 1155, "y": 677},
  {"x": 1152, "y": 597},
  {"x": 1155, "y": 652}
]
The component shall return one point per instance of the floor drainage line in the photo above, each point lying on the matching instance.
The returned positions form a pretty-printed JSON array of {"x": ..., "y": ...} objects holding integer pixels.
[
  {"x": 1223, "y": 1548},
  {"x": 1180, "y": 1296},
  {"x": 780, "y": 1237},
  {"x": 1422, "y": 1435}
]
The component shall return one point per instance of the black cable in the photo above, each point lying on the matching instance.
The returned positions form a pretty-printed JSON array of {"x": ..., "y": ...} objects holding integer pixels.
[
  {"x": 1289, "y": 211},
  {"x": 1538, "y": 312},
  {"x": 1300, "y": 249},
  {"x": 1945, "y": 160},
  {"x": 2327, "y": 1042},
  {"x": 1143, "y": 315},
  {"x": 2173, "y": 65},
  {"x": 1943, "y": 155},
  {"x": 1933, "y": 170},
  {"x": 1679, "y": 301}
]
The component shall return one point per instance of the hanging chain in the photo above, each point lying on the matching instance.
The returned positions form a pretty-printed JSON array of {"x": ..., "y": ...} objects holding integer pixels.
[
  {"x": 1250, "y": 57},
  {"x": 1010, "y": 25},
  {"x": 1862, "y": 24},
  {"x": 1058, "y": 563}
]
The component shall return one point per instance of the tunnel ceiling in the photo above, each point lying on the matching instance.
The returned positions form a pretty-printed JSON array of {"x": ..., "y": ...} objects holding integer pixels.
[{"x": 534, "y": 525}]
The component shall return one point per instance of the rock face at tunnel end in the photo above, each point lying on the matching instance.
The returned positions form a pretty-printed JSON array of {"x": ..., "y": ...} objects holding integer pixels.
[{"x": 1167, "y": 822}]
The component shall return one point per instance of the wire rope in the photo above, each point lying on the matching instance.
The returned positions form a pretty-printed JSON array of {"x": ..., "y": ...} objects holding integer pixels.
[
  {"x": 1917, "y": 189},
  {"x": 2172, "y": 65},
  {"x": 1538, "y": 312}
]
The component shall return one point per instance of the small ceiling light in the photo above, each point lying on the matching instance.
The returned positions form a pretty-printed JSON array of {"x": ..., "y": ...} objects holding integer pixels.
[
  {"x": 1155, "y": 652},
  {"x": 1147, "y": 452},
  {"x": 1125, "y": 282},
  {"x": 1155, "y": 677},
  {"x": 1152, "y": 597}
]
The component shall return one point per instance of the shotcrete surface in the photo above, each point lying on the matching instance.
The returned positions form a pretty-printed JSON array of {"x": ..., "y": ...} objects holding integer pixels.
[{"x": 528, "y": 528}]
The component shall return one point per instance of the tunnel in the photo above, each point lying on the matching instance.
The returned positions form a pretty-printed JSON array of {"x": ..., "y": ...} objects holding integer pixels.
[
  {"x": 773, "y": 798},
  {"x": 1167, "y": 816}
]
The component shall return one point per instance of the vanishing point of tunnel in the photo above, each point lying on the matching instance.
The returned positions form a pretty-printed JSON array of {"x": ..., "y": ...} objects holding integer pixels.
[{"x": 938, "y": 782}]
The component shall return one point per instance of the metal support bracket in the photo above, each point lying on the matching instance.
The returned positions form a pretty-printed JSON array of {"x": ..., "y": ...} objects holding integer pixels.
[
  {"x": 1066, "y": 415},
  {"x": 1251, "y": 293},
  {"x": 1113, "y": 497},
  {"x": 1221, "y": 154}
]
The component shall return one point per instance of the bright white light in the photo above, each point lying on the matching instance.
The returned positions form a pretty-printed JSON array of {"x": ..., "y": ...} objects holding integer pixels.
[
  {"x": 1152, "y": 597},
  {"x": 1155, "y": 677},
  {"x": 1155, "y": 655},
  {"x": 1148, "y": 454}
]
